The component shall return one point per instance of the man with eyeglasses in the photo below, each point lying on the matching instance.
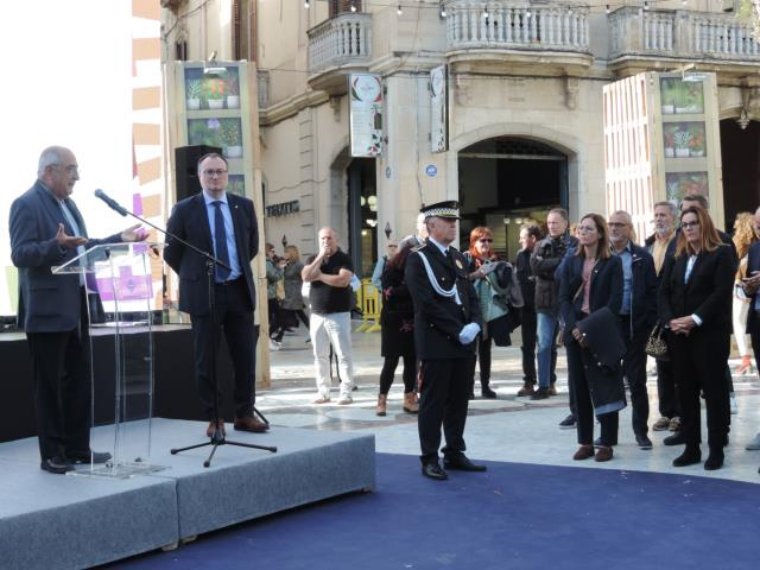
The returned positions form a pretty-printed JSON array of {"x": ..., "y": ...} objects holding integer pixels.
[
  {"x": 47, "y": 230},
  {"x": 638, "y": 313},
  {"x": 224, "y": 225}
]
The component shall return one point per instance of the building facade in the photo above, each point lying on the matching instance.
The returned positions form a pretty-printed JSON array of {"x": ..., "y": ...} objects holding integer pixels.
[{"x": 524, "y": 107}]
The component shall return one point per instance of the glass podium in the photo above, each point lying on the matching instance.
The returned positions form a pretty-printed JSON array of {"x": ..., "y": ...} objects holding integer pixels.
[{"x": 120, "y": 302}]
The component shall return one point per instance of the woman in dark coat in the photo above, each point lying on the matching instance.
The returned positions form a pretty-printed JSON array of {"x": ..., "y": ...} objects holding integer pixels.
[
  {"x": 292, "y": 306},
  {"x": 591, "y": 279},
  {"x": 694, "y": 304},
  {"x": 397, "y": 332}
]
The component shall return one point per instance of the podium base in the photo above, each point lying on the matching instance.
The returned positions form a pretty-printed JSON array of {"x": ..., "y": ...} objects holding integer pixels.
[{"x": 120, "y": 470}]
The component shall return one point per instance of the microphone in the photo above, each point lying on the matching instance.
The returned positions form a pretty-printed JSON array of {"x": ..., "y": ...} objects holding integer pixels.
[{"x": 113, "y": 204}]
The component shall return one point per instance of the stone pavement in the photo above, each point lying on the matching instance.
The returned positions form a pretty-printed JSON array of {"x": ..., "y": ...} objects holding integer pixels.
[{"x": 506, "y": 429}]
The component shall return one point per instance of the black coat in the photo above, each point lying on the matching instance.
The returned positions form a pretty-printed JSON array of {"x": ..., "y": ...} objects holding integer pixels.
[
  {"x": 438, "y": 320},
  {"x": 753, "y": 264},
  {"x": 397, "y": 316},
  {"x": 606, "y": 288},
  {"x": 708, "y": 294},
  {"x": 189, "y": 221},
  {"x": 644, "y": 290}
]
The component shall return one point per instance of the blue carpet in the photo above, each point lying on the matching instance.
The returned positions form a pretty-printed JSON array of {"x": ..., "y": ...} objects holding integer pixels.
[{"x": 514, "y": 516}]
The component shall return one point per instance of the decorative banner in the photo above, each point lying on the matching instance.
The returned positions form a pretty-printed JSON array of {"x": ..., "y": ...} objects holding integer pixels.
[
  {"x": 366, "y": 114},
  {"x": 439, "y": 133}
]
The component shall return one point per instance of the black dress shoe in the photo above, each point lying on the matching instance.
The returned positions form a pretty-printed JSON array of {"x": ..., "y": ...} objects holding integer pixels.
[
  {"x": 56, "y": 465},
  {"x": 486, "y": 392},
  {"x": 79, "y": 457},
  {"x": 714, "y": 460},
  {"x": 434, "y": 471},
  {"x": 690, "y": 456},
  {"x": 675, "y": 439},
  {"x": 460, "y": 462},
  {"x": 643, "y": 442}
]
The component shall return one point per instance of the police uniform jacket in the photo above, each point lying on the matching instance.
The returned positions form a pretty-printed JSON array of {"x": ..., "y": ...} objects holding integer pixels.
[{"x": 438, "y": 319}]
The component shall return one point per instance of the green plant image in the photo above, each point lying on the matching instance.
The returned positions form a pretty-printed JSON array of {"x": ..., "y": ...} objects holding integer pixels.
[{"x": 230, "y": 132}]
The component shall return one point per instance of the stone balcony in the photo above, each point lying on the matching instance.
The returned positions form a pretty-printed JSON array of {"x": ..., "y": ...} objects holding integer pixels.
[
  {"x": 643, "y": 39},
  {"x": 508, "y": 31},
  {"x": 337, "y": 47}
]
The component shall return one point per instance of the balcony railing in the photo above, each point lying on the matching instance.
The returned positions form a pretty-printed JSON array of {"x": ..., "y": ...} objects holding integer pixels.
[
  {"x": 343, "y": 40},
  {"x": 503, "y": 24},
  {"x": 684, "y": 34}
]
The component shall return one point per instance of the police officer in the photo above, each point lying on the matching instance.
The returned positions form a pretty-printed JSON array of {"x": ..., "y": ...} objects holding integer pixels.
[{"x": 446, "y": 324}]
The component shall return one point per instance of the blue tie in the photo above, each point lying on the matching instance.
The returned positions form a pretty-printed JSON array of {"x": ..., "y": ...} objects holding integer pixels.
[{"x": 220, "y": 239}]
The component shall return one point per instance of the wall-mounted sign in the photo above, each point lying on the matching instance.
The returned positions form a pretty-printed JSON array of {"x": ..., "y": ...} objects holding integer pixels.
[
  {"x": 283, "y": 209},
  {"x": 438, "y": 110},
  {"x": 366, "y": 114}
]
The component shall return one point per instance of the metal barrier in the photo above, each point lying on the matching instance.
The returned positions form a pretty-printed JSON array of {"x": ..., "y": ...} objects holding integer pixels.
[{"x": 370, "y": 302}]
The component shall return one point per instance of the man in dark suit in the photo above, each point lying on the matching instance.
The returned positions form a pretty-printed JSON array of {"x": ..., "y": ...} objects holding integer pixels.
[
  {"x": 446, "y": 324},
  {"x": 638, "y": 314},
  {"x": 225, "y": 226},
  {"x": 47, "y": 230}
]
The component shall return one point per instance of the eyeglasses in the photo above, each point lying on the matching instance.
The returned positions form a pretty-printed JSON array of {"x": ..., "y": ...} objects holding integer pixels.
[
  {"x": 485, "y": 240},
  {"x": 584, "y": 229},
  {"x": 688, "y": 225},
  {"x": 617, "y": 224},
  {"x": 214, "y": 172}
]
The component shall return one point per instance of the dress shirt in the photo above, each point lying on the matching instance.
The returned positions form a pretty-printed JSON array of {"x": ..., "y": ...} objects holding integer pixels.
[{"x": 229, "y": 229}]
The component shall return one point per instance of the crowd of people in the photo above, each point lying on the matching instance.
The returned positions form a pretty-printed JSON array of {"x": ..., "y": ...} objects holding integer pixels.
[{"x": 590, "y": 288}]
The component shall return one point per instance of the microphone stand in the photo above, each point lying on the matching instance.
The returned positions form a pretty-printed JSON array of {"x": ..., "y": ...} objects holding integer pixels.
[{"x": 218, "y": 438}]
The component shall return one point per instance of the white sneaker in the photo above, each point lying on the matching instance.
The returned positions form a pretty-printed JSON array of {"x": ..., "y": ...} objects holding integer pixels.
[
  {"x": 754, "y": 445},
  {"x": 274, "y": 345},
  {"x": 734, "y": 407},
  {"x": 345, "y": 399}
]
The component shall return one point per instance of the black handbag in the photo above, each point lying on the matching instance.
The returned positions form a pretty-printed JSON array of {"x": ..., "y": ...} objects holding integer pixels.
[
  {"x": 656, "y": 345},
  {"x": 499, "y": 330}
]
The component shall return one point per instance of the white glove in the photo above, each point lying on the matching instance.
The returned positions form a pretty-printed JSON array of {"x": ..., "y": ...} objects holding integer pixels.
[{"x": 468, "y": 333}]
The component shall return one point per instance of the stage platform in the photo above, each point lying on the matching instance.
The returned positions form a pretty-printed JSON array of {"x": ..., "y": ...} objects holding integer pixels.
[{"x": 52, "y": 521}]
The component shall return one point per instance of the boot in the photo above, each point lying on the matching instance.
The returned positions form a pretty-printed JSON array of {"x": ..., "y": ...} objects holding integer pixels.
[
  {"x": 410, "y": 403},
  {"x": 526, "y": 390},
  {"x": 382, "y": 400}
]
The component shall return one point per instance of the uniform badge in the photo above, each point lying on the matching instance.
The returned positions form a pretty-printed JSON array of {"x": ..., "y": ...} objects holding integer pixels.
[{"x": 458, "y": 264}]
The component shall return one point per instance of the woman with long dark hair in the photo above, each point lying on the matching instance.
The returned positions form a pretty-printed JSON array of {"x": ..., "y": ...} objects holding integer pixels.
[
  {"x": 591, "y": 279},
  {"x": 694, "y": 303},
  {"x": 397, "y": 332}
]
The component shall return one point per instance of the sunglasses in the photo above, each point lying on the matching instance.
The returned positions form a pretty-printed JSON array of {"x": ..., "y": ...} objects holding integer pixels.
[{"x": 485, "y": 240}]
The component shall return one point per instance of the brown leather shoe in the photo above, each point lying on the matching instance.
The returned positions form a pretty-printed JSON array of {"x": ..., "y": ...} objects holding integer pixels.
[
  {"x": 527, "y": 390},
  {"x": 211, "y": 429},
  {"x": 249, "y": 423},
  {"x": 584, "y": 452},
  {"x": 604, "y": 453}
]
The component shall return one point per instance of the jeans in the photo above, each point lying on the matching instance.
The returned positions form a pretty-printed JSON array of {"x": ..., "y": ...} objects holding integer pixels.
[
  {"x": 332, "y": 329},
  {"x": 547, "y": 348}
]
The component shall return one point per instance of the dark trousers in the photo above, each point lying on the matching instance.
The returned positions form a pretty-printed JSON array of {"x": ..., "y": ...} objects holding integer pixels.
[
  {"x": 444, "y": 397},
  {"x": 699, "y": 363},
  {"x": 484, "y": 358},
  {"x": 577, "y": 360},
  {"x": 667, "y": 390},
  {"x": 234, "y": 317},
  {"x": 273, "y": 310},
  {"x": 62, "y": 391},
  {"x": 635, "y": 370},
  {"x": 287, "y": 317},
  {"x": 389, "y": 370},
  {"x": 528, "y": 348},
  {"x": 62, "y": 387}
]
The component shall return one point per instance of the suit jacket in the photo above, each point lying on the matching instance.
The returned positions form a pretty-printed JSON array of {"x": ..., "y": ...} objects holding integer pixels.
[
  {"x": 189, "y": 222},
  {"x": 643, "y": 290},
  {"x": 708, "y": 294},
  {"x": 753, "y": 264},
  {"x": 438, "y": 320},
  {"x": 47, "y": 302},
  {"x": 606, "y": 288}
]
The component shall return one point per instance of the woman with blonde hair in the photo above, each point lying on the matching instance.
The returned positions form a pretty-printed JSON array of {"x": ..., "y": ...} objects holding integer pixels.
[
  {"x": 744, "y": 236},
  {"x": 292, "y": 306}
]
